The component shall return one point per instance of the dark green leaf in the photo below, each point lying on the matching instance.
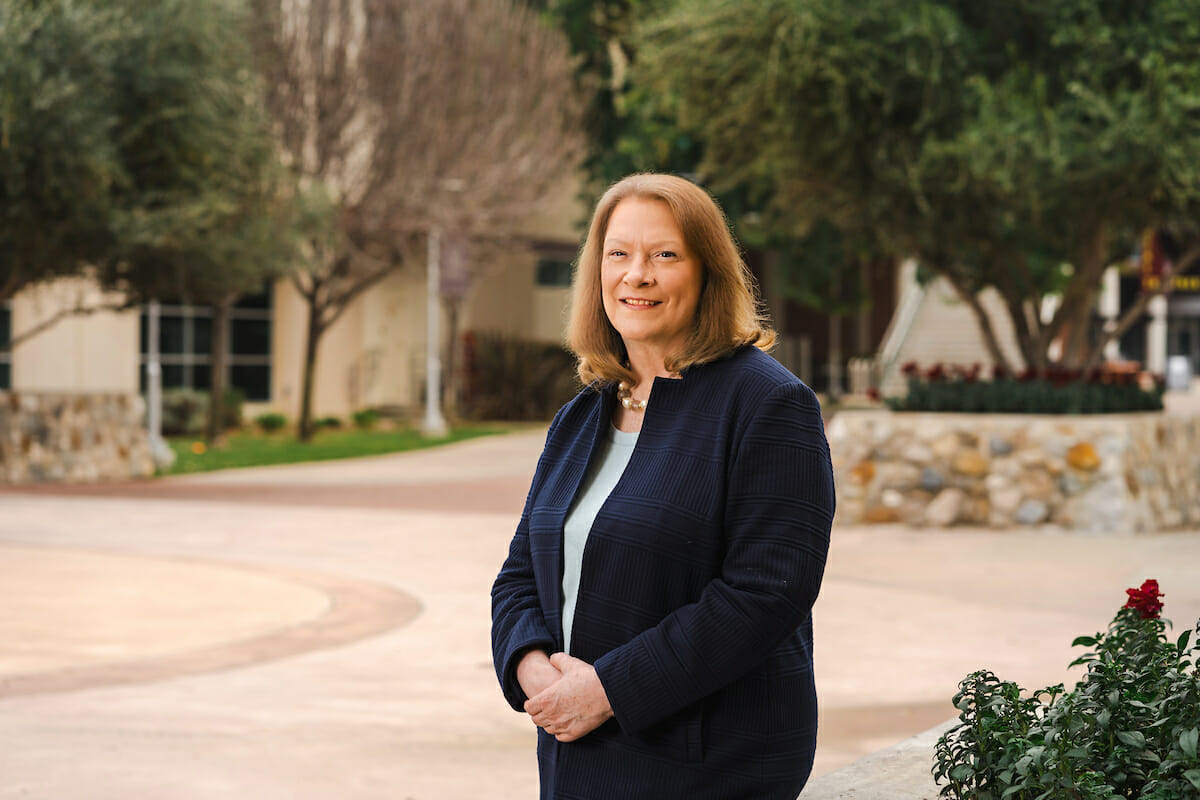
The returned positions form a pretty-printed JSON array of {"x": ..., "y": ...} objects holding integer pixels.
[
  {"x": 1132, "y": 738},
  {"x": 1188, "y": 742},
  {"x": 1193, "y": 775}
]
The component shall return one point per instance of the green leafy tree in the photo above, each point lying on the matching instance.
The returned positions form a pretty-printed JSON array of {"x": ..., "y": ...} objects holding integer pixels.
[
  {"x": 58, "y": 158},
  {"x": 633, "y": 125},
  {"x": 995, "y": 142},
  {"x": 211, "y": 215},
  {"x": 134, "y": 149}
]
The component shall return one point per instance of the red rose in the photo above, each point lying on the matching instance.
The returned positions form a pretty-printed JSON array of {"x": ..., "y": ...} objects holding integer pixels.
[{"x": 1145, "y": 600}]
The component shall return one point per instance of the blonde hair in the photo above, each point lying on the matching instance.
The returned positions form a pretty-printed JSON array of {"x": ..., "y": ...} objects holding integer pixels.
[{"x": 728, "y": 314}]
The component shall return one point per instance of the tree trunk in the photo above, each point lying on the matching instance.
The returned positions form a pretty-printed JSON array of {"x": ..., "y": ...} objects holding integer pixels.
[
  {"x": 835, "y": 344},
  {"x": 985, "y": 324},
  {"x": 835, "y": 355},
  {"x": 1075, "y": 351},
  {"x": 453, "y": 388},
  {"x": 1075, "y": 311},
  {"x": 315, "y": 330},
  {"x": 220, "y": 368}
]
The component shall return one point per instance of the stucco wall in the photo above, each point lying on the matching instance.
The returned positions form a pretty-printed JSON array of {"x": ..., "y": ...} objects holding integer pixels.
[{"x": 95, "y": 352}]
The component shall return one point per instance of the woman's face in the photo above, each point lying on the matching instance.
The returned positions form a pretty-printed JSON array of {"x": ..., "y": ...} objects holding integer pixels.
[{"x": 650, "y": 281}]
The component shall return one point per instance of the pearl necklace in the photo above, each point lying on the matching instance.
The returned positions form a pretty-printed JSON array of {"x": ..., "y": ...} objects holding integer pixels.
[{"x": 625, "y": 395}]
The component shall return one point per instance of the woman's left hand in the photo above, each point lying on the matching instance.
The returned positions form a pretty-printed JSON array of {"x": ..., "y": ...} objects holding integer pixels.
[{"x": 574, "y": 706}]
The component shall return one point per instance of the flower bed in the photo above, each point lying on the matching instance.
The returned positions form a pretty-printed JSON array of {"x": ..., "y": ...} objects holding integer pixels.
[
  {"x": 1051, "y": 391},
  {"x": 1103, "y": 473}
]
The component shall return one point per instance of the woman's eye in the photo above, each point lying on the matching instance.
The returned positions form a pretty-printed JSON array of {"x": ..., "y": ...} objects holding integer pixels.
[{"x": 667, "y": 254}]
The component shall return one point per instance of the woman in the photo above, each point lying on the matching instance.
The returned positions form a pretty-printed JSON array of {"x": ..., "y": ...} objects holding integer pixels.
[{"x": 653, "y": 615}]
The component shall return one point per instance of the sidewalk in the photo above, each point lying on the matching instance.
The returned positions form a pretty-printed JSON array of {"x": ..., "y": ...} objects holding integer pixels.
[{"x": 321, "y": 631}]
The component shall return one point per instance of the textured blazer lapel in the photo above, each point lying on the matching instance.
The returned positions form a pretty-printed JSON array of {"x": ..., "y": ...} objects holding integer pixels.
[{"x": 569, "y": 480}]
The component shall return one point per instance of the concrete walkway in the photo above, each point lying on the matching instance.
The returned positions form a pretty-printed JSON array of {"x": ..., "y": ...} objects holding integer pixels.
[{"x": 321, "y": 631}]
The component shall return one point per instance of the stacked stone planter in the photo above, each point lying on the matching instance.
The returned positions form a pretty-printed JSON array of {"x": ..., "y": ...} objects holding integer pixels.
[
  {"x": 76, "y": 438},
  {"x": 1102, "y": 473}
]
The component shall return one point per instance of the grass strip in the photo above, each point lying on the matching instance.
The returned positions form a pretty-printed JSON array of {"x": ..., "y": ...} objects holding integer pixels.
[{"x": 252, "y": 449}]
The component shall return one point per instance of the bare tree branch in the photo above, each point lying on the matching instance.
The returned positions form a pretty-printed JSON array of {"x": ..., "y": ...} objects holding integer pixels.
[
  {"x": 990, "y": 340},
  {"x": 65, "y": 313},
  {"x": 413, "y": 116}
]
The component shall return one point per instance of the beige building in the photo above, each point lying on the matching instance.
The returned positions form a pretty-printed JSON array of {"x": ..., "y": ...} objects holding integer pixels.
[{"x": 372, "y": 357}]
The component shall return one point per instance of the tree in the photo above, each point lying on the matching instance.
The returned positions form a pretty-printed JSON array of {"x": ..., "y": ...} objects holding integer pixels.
[
  {"x": 633, "y": 126},
  {"x": 58, "y": 159},
  {"x": 134, "y": 149},
  {"x": 210, "y": 214},
  {"x": 454, "y": 116},
  {"x": 1020, "y": 146}
]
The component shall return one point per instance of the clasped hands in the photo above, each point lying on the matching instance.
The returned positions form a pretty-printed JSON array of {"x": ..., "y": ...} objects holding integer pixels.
[{"x": 566, "y": 698}]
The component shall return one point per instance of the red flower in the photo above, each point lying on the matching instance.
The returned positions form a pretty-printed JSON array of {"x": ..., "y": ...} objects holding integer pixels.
[
  {"x": 910, "y": 369},
  {"x": 1145, "y": 600},
  {"x": 873, "y": 394}
]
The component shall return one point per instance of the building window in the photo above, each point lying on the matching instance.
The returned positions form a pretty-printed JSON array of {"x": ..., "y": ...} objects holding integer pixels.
[
  {"x": 5, "y": 343},
  {"x": 185, "y": 346},
  {"x": 553, "y": 272}
]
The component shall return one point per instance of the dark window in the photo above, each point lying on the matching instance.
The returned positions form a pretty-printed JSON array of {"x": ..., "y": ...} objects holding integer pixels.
[
  {"x": 186, "y": 346},
  {"x": 553, "y": 272},
  {"x": 250, "y": 337},
  {"x": 172, "y": 330},
  {"x": 253, "y": 379},
  {"x": 202, "y": 336},
  {"x": 260, "y": 301},
  {"x": 174, "y": 377}
]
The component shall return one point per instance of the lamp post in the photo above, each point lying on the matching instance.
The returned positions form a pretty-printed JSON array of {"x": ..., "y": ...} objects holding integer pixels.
[
  {"x": 163, "y": 456},
  {"x": 434, "y": 423}
]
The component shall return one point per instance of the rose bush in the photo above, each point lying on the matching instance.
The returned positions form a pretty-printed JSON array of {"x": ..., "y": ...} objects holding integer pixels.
[{"x": 1129, "y": 729}]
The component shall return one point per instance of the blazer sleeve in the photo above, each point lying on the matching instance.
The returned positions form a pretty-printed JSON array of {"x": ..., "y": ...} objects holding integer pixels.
[
  {"x": 518, "y": 624},
  {"x": 778, "y": 513}
]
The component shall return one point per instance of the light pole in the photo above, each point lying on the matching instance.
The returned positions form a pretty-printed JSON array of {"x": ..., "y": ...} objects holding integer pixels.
[
  {"x": 435, "y": 423},
  {"x": 163, "y": 456}
]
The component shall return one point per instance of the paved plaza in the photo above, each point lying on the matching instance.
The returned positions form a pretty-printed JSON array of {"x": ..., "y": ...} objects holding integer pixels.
[{"x": 321, "y": 630}]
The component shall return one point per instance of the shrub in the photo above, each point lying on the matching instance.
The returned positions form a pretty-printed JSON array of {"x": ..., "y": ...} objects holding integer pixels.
[
  {"x": 513, "y": 379},
  {"x": 235, "y": 398},
  {"x": 331, "y": 423},
  {"x": 365, "y": 419},
  {"x": 270, "y": 422},
  {"x": 1129, "y": 728},
  {"x": 185, "y": 411},
  {"x": 1051, "y": 391}
]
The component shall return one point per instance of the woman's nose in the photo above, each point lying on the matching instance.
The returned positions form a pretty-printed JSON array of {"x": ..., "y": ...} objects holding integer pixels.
[{"x": 640, "y": 271}]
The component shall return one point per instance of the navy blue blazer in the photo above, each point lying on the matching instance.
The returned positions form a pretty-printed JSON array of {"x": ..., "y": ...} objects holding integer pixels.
[{"x": 696, "y": 588}]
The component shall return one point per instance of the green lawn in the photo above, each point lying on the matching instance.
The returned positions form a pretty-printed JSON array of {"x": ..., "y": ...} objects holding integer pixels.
[{"x": 260, "y": 449}]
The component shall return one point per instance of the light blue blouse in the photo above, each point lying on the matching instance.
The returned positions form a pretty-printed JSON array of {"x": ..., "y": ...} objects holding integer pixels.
[{"x": 602, "y": 477}]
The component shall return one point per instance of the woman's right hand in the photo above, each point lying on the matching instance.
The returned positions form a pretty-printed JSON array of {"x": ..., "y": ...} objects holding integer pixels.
[{"x": 535, "y": 673}]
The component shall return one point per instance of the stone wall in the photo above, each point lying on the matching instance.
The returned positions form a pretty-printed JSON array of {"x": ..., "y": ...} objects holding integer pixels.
[
  {"x": 1102, "y": 473},
  {"x": 75, "y": 438}
]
